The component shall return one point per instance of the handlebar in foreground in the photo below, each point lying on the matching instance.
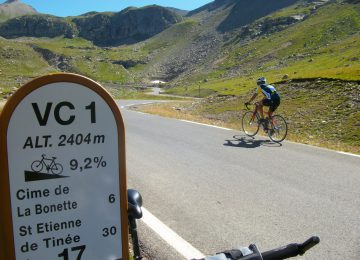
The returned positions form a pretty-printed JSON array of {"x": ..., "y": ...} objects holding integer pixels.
[
  {"x": 252, "y": 252},
  {"x": 291, "y": 250}
]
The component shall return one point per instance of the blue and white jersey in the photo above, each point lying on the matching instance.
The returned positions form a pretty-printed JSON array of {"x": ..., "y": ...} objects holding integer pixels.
[{"x": 267, "y": 90}]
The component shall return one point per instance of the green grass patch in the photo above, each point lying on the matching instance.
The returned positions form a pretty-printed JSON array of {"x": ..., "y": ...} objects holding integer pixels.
[{"x": 18, "y": 64}]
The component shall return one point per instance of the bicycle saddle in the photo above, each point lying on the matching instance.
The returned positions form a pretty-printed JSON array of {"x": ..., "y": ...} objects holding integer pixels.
[{"x": 134, "y": 204}]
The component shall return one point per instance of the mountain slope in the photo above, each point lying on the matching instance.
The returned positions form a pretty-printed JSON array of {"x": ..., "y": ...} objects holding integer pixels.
[
  {"x": 206, "y": 37},
  {"x": 322, "y": 45},
  {"x": 296, "y": 41},
  {"x": 241, "y": 12}
]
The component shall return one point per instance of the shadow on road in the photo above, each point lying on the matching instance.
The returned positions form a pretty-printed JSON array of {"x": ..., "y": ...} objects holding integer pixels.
[{"x": 249, "y": 142}]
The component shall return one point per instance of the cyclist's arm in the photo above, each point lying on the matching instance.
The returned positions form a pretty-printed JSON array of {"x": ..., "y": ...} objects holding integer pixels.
[
  {"x": 253, "y": 97},
  {"x": 257, "y": 92}
]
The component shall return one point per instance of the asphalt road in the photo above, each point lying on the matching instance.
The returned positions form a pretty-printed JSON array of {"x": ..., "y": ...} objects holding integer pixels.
[{"x": 219, "y": 189}]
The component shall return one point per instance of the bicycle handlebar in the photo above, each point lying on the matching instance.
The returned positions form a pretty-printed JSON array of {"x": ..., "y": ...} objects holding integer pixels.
[
  {"x": 288, "y": 251},
  {"x": 247, "y": 105}
]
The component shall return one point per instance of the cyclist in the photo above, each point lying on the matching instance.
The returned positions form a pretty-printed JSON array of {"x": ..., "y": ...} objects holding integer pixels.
[{"x": 271, "y": 98}]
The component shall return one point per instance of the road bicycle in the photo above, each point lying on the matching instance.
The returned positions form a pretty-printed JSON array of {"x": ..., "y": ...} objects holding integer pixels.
[
  {"x": 246, "y": 253},
  {"x": 275, "y": 127},
  {"x": 49, "y": 164}
]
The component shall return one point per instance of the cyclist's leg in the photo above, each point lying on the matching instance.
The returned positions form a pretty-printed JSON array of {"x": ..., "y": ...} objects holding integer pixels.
[
  {"x": 265, "y": 102},
  {"x": 275, "y": 103},
  {"x": 260, "y": 107},
  {"x": 271, "y": 111}
]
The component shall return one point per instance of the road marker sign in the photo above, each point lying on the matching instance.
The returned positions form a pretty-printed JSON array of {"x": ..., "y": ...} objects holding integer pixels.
[{"x": 63, "y": 173}]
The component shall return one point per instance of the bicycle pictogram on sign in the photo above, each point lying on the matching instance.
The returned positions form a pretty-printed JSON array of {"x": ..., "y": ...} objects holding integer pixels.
[{"x": 46, "y": 165}]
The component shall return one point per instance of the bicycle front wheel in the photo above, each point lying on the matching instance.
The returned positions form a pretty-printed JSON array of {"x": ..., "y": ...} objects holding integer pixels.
[
  {"x": 277, "y": 129},
  {"x": 56, "y": 168},
  {"x": 249, "y": 124}
]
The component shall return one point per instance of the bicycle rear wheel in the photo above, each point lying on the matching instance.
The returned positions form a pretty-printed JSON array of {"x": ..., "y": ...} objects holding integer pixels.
[
  {"x": 37, "y": 166},
  {"x": 249, "y": 124},
  {"x": 277, "y": 129}
]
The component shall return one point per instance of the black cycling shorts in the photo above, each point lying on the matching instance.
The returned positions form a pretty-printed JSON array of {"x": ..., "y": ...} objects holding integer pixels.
[{"x": 272, "y": 103}]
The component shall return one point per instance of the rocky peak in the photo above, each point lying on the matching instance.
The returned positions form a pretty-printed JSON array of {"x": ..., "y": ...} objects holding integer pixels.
[{"x": 14, "y": 8}]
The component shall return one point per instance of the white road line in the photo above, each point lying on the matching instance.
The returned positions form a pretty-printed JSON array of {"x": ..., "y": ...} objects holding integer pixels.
[
  {"x": 173, "y": 239},
  {"x": 351, "y": 154},
  {"x": 134, "y": 111},
  {"x": 196, "y": 123},
  {"x": 136, "y": 104},
  {"x": 324, "y": 149}
]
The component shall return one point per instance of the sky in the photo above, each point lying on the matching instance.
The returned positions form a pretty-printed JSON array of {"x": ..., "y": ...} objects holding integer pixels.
[{"x": 76, "y": 7}]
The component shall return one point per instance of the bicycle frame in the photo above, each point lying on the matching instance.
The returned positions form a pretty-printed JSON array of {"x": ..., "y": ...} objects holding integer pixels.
[
  {"x": 257, "y": 114},
  {"x": 256, "y": 111},
  {"x": 50, "y": 165}
]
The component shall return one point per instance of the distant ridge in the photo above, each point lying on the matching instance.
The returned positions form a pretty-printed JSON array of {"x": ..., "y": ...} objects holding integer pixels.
[
  {"x": 127, "y": 26},
  {"x": 104, "y": 29},
  {"x": 178, "y": 11}
]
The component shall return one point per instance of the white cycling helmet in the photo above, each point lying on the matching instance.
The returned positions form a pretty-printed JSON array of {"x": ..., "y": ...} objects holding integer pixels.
[{"x": 261, "y": 80}]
